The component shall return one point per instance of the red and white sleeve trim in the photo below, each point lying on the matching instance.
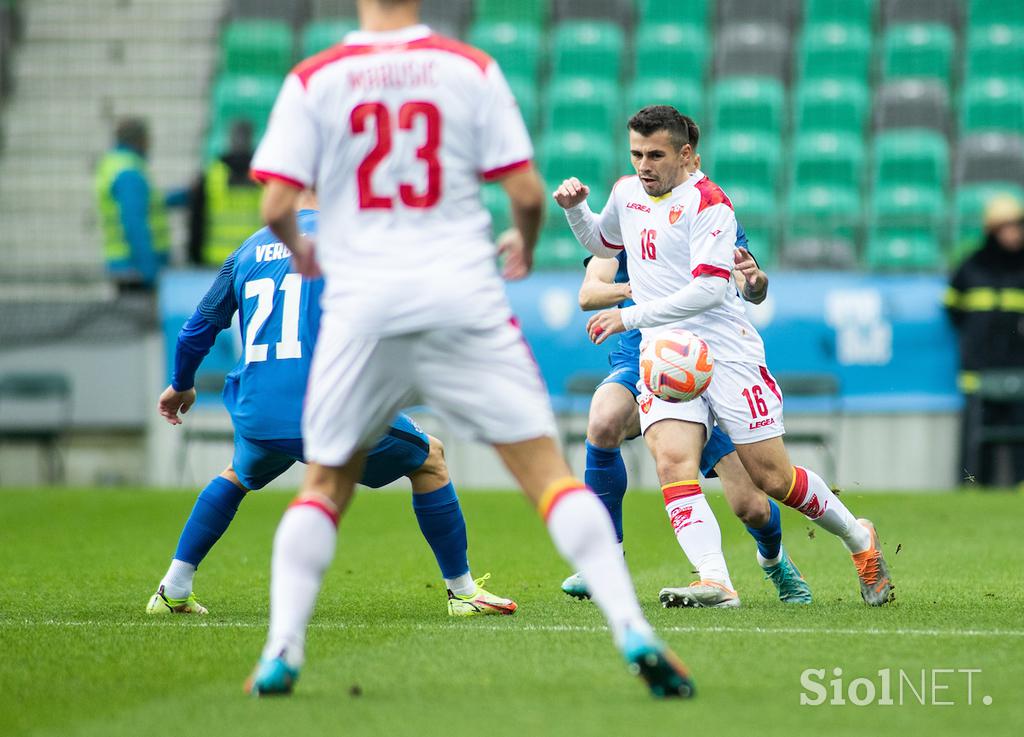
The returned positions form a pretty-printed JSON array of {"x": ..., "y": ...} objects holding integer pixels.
[
  {"x": 258, "y": 175},
  {"x": 608, "y": 244},
  {"x": 709, "y": 270},
  {"x": 497, "y": 173}
]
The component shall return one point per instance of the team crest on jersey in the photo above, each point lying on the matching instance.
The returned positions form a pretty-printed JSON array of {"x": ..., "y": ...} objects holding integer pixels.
[
  {"x": 674, "y": 214},
  {"x": 646, "y": 402}
]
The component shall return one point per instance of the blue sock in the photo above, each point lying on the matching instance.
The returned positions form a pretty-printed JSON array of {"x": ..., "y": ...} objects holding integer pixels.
[
  {"x": 211, "y": 515},
  {"x": 444, "y": 528},
  {"x": 769, "y": 537},
  {"x": 606, "y": 475}
]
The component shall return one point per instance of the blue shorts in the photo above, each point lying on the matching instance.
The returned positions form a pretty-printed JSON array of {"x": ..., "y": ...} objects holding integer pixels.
[
  {"x": 718, "y": 447},
  {"x": 402, "y": 450}
]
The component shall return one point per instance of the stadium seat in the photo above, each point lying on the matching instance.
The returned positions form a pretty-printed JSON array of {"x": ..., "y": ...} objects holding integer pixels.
[
  {"x": 857, "y": 13},
  {"x": 577, "y": 154},
  {"x": 913, "y": 103},
  {"x": 993, "y": 105},
  {"x": 323, "y": 34},
  {"x": 756, "y": 208},
  {"x": 983, "y": 13},
  {"x": 912, "y": 156},
  {"x": 968, "y": 210},
  {"x": 902, "y": 250},
  {"x": 749, "y": 103},
  {"x": 835, "y": 51},
  {"x": 559, "y": 251},
  {"x": 618, "y": 12},
  {"x": 496, "y": 201},
  {"x": 908, "y": 208},
  {"x": 525, "y": 91},
  {"x": 991, "y": 156},
  {"x": 832, "y": 105},
  {"x": 583, "y": 104},
  {"x": 684, "y": 95},
  {"x": 515, "y": 46},
  {"x": 534, "y": 12},
  {"x": 257, "y": 47},
  {"x": 786, "y": 12},
  {"x": 587, "y": 48},
  {"x": 922, "y": 11},
  {"x": 671, "y": 49},
  {"x": 829, "y": 159},
  {"x": 243, "y": 96},
  {"x": 448, "y": 17},
  {"x": 825, "y": 213},
  {"x": 334, "y": 8},
  {"x": 918, "y": 50},
  {"x": 753, "y": 49},
  {"x": 749, "y": 159},
  {"x": 693, "y": 13},
  {"x": 293, "y": 13},
  {"x": 995, "y": 51}
]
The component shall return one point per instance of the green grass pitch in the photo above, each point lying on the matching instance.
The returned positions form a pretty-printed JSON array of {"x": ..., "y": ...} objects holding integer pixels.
[{"x": 80, "y": 657}]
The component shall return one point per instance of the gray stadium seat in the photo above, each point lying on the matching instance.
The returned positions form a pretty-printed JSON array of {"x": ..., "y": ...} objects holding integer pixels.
[
  {"x": 295, "y": 12},
  {"x": 747, "y": 49},
  {"x": 786, "y": 12},
  {"x": 991, "y": 157},
  {"x": 619, "y": 11},
  {"x": 334, "y": 9},
  {"x": 448, "y": 17},
  {"x": 913, "y": 103},
  {"x": 819, "y": 253},
  {"x": 924, "y": 11}
]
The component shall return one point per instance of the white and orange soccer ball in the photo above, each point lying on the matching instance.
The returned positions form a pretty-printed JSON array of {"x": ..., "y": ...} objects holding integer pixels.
[{"x": 676, "y": 365}]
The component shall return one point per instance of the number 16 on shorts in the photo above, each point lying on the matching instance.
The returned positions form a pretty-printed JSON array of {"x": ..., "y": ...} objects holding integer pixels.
[{"x": 746, "y": 401}]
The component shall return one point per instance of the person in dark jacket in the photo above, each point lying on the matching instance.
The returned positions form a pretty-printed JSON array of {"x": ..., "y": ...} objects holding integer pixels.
[{"x": 985, "y": 302}]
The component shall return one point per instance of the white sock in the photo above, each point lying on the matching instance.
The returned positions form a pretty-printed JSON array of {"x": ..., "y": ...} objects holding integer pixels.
[
  {"x": 811, "y": 497},
  {"x": 177, "y": 582},
  {"x": 303, "y": 549},
  {"x": 769, "y": 562},
  {"x": 697, "y": 530},
  {"x": 582, "y": 532},
  {"x": 464, "y": 585}
]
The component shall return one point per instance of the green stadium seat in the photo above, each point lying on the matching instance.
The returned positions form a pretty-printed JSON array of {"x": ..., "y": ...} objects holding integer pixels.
[
  {"x": 857, "y": 13},
  {"x": 525, "y": 91},
  {"x": 517, "y": 47},
  {"x": 257, "y": 47},
  {"x": 828, "y": 159},
  {"x": 988, "y": 12},
  {"x": 902, "y": 250},
  {"x": 582, "y": 103},
  {"x": 993, "y": 105},
  {"x": 749, "y": 103},
  {"x": 835, "y": 51},
  {"x": 693, "y": 12},
  {"x": 756, "y": 208},
  {"x": 968, "y": 210},
  {"x": 996, "y": 51},
  {"x": 911, "y": 156},
  {"x": 587, "y": 49},
  {"x": 918, "y": 50},
  {"x": 827, "y": 213},
  {"x": 685, "y": 95},
  {"x": 839, "y": 105},
  {"x": 244, "y": 96},
  {"x": 743, "y": 158},
  {"x": 559, "y": 251},
  {"x": 587, "y": 156},
  {"x": 671, "y": 50},
  {"x": 906, "y": 208},
  {"x": 323, "y": 34},
  {"x": 496, "y": 202},
  {"x": 534, "y": 12}
]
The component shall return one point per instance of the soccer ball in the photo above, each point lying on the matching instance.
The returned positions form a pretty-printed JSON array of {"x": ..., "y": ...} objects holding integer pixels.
[{"x": 676, "y": 365}]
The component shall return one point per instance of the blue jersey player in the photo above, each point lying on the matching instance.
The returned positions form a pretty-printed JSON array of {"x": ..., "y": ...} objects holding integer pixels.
[
  {"x": 614, "y": 418},
  {"x": 279, "y": 316}
]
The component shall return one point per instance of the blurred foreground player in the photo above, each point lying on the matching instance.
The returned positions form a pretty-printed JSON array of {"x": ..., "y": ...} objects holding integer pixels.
[
  {"x": 279, "y": 317},
  {"x": 396, "y": 127}
]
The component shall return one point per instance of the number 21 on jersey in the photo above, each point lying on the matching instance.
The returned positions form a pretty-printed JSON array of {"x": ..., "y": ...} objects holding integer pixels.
[{"x": 263, "y": 290}]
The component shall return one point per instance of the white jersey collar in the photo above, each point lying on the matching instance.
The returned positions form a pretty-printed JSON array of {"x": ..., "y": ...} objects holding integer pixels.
[{"x": 398, "y": 36}]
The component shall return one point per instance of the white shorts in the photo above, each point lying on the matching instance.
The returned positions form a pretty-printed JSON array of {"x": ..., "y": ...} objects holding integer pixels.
[
  {"x": 482, "y": 381},
  {"x": 744, "y": 398}
]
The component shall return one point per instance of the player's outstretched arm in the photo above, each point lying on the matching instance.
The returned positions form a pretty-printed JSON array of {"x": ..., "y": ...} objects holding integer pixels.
[
  {"x": 599, "y": 289},
  {"x": 526, "y": 195},
  {"x": 571, "y": 196},
  {"x": 748, "y": 274}
]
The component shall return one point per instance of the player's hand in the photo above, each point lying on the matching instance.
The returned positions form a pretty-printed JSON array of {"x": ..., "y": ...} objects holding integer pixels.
[
  {"x": 747, "y": 266},
  {"x": 603, "y": 325},
  {"x": 304, "y": 258},
  {"x": 172, "y": 401},
  {"x": 570, "y": 193},
  {"x": 518, "y": 261}
]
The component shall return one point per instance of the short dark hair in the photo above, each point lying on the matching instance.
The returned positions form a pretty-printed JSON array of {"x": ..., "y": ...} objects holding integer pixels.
[
  {"x": 654, "y": 118},
  {"x": 693, "y": 129},
  {"x": 132, "y": 132}
]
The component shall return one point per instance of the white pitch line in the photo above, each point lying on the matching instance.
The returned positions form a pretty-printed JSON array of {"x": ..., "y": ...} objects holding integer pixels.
[{"x": 512, "y": 627}]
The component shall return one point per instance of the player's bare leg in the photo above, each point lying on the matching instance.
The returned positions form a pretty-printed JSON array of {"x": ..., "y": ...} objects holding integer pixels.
[
  {"x": 440, "y": 519},
  {"x": 676, "y": 446},
  {"x": 613, "y": 417},
  {"x": 768, "y": 464},
  {"x": 760, "y": 516},
  {"x": 582, "y": 532},
  {"x": 303, "y": 550}
]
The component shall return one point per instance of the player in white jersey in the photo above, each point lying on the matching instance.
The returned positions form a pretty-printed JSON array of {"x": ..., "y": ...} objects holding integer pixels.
[
  {"x": 395, "y": 127},
  {"x": 678, "y": 229}
]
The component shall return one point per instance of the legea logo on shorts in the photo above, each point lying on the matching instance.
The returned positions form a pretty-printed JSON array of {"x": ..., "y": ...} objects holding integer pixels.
[{"x": 892, "y": 687}]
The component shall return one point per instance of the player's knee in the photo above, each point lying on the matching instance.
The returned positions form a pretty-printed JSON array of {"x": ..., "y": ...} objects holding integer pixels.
[
  {"x": 435, "y": 462},
  {"x": 751, "y": 510},
  {"x": 673, "y": 465},
  {"x": 604, "y": 431},
  {"x": 774, "y": 481}
]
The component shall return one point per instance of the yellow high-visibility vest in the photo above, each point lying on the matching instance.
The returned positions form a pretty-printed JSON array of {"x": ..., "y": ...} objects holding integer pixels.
[
  {"x": 232, "y": 213},
  {"x": 115, "y": 245}
]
